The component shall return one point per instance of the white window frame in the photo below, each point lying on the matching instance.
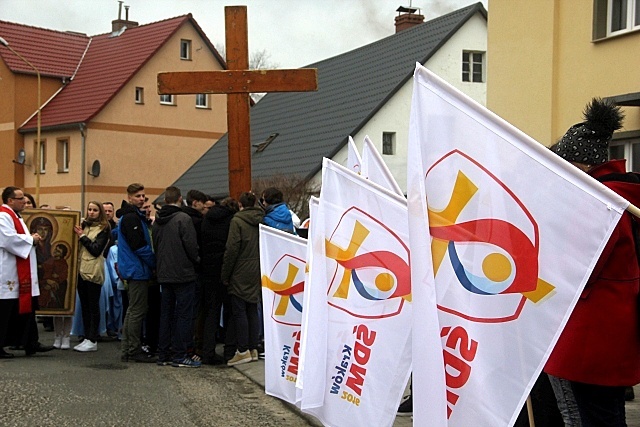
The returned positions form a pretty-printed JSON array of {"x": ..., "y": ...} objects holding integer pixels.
[
  {"x": 628, "y": 145},
  {"x": 63, "y": 155},
  {"x": 139, "y": 96},
  {"x": 388, "y": 143},
  {"x": 167, "y": 100},
  {"x": 631, "y": 9},
  {"x": 185, "y": 50},
  {"x": 471, "y": 62},
  {"x": 199, "y": 98},
  {"x": 43, "y": 155}
]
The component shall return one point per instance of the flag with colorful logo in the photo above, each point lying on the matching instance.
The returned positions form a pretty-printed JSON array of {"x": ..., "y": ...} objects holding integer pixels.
[
  {"x": 362, "y": 317},
  {"x": 282, "y": 264},
  {"x": 354, "y": 162},
  {"x": 515, "y": 233},
  {"x": 375, "y": 169}
]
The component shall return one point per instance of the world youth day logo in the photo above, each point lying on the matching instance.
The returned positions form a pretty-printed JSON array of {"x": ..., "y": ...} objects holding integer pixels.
[
  {"x": 485, "y": 243},
  {"x": 286, "y": 280},
  {"x": 371, "y": 276}
]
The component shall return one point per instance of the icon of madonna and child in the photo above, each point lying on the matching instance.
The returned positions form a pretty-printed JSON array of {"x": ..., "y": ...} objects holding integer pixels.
[{"x": 56, "y": 257}]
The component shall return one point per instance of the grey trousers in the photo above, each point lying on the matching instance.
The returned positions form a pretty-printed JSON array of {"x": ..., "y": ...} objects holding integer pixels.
[{"x": 132, "y": 325}]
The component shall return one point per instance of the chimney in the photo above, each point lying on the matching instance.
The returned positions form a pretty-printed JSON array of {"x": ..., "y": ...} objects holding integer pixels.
[
  {"x": 118, "y": 24},
  {"x": 408, "y": 18}
]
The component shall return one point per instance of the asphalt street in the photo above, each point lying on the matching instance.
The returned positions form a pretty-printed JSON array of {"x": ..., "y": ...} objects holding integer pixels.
[{"x": 67, "y": 388}]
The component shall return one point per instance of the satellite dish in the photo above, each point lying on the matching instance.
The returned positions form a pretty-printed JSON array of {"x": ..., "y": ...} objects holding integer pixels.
[
  {"x": 21, "y": 157},
  {"x": 95, "y": 169}
]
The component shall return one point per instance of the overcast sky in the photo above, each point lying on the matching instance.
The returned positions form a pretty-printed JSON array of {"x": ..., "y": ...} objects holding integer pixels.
[{"x": 294, "y": 33}]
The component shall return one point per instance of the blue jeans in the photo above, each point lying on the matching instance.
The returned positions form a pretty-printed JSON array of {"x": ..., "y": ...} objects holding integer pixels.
[
  {"x": 600, "y": 406},
  {"x": 245, "y": 320},
  {"x": 176, "y": 319},
  {"x": 566, "y": 401}
]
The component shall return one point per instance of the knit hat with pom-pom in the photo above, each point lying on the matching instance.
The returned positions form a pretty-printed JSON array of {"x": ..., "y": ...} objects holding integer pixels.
[{"x": 588, "y": 142}]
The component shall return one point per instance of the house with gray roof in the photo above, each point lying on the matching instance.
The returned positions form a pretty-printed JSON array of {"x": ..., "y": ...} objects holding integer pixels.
[{"x": 366, "y": 91}]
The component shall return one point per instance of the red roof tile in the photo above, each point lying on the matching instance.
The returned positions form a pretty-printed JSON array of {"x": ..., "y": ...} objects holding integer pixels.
[
  {"x": 53, "y": 53},
  {"x": 110, "y": 62}
]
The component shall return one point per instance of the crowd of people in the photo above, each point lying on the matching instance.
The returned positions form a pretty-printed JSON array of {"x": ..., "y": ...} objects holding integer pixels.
[
  {"x": 170, "y": 288},
  {"x": 174, "y": 281}
]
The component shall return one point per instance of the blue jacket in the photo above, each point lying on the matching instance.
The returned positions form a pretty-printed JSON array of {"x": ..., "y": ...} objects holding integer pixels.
[
  {"x": 278, "y": 216},
  {"x": 136, "y": 260}
]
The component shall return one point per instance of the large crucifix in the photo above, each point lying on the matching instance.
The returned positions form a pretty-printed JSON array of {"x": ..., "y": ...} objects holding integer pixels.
[{"x": 238, "y": 82}]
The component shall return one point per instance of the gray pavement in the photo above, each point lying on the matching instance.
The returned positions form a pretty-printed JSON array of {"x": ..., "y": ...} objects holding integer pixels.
[
  {"x": 67, "y": 388},
  {"x": 255, "y": 371}
]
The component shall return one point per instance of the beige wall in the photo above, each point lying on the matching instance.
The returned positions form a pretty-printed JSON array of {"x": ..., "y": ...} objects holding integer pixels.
[
  {"x": 543, "y": 66},
  {"x": 18, "y": 101},
  {"x": 149, "y": 143}
]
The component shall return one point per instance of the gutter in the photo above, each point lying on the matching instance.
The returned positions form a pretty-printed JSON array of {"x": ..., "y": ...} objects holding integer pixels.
[{"x": 83, "y": 167}]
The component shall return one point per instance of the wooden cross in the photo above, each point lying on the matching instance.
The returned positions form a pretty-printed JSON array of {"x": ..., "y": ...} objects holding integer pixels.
[{"x": 238, "y": 82}]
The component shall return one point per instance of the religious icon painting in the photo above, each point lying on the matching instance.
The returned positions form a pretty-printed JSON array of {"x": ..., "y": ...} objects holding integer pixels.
[{"x": 57, "y": 259}]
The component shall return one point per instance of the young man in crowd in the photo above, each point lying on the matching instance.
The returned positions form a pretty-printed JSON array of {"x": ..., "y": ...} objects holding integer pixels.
[
  {"x": 174, "y": 241},
  {"x": 241, "y": 275},
  {"x": 136, "y": 265}
]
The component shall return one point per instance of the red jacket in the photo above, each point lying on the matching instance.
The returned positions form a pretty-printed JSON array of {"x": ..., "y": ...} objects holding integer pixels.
[{"x": 601, "y": 341}]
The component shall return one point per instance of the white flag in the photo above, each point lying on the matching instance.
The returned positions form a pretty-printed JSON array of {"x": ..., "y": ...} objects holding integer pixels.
[
  {"x": 282, "y": 265},
  {"x": 314, "y": 202},
  {"x": 365, "y": 304},
  {"x": 375, "y": 169},
  {"x": 354, "y": 162},
  {"x": 515, "y": 234}
]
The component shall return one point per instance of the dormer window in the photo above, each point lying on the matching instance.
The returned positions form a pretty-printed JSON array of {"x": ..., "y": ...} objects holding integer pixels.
[{"x": 185, "y": 50}]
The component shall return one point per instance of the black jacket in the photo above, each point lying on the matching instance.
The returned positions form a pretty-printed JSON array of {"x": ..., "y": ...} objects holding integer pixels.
[
  {"x": 213, "y": 235},
  {"x": 175, "y": 246},
  {"x": 196, "y": 217}
]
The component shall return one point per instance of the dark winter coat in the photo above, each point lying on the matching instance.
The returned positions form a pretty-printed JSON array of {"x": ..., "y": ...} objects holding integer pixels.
[
  {"x": 601, "y": 341},
  {"x": 175, "y": 245},
  {"x": 213, "y": 235},
  {"x": 136, "y": 260},
  {"x": 241, "y": 265}
]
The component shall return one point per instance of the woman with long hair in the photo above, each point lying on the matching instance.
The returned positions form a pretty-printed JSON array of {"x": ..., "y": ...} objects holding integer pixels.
[{"x": 93, "y": 237}]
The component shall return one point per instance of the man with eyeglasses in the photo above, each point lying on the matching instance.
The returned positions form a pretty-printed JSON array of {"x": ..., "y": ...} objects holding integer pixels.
[{"x": 18, "y": 271}]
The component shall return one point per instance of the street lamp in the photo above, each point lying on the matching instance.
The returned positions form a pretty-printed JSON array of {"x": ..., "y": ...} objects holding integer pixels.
[{"x": 37, "y": 162}]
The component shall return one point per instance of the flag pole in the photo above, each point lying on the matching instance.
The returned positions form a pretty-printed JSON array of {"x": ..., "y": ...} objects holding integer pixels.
[
  {"x": 532, "y": 422},
  {"x": 633, "y": 210}
]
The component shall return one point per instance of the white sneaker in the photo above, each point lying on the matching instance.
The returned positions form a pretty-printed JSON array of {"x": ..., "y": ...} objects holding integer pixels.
[
  {"x": 57, "y": 343},
  {"x": 88, "y": 346},
  {"x": 66, "y": 343},
  {"x": 82, "y": 344}
]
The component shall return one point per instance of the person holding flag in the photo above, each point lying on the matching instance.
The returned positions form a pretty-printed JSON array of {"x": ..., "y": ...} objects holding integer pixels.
[{"x": 598, "y": 353}]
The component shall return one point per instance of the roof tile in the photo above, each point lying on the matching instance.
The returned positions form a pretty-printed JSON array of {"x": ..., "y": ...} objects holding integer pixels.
[{"x": 53, "y": 53}]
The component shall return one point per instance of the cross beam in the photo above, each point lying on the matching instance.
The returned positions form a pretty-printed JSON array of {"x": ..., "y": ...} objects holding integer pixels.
[{"x": 238, "y": 82}]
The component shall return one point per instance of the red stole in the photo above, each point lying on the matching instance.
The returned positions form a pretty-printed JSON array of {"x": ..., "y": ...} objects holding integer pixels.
[{"x": 24, "y": 268}]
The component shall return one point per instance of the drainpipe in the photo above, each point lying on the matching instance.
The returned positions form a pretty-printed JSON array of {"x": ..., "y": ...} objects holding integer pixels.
[{"x": 83, "y": 167}]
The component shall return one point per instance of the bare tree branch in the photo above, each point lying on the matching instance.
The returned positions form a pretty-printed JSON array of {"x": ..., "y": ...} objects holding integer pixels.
[{"x": 296, "y": 191}]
